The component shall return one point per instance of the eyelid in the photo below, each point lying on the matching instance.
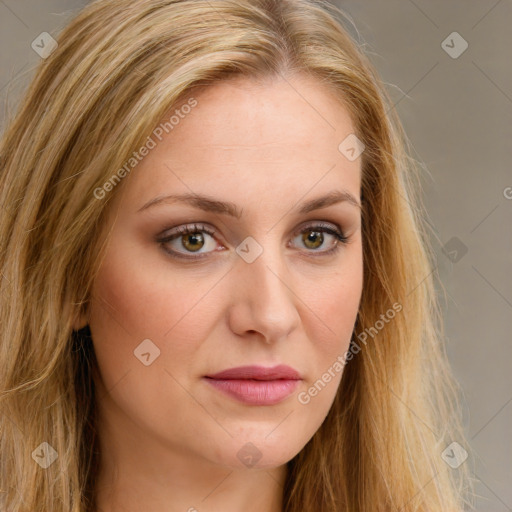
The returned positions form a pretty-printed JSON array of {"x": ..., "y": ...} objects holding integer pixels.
[
  {"x": 318, "y": 224},
  {"x": 199, "y": 226},
  {"x": 186, "y": 228}
]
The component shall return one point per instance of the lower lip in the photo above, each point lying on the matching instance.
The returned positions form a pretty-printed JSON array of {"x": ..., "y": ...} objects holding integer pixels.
[{"x": 256, "y": 392}]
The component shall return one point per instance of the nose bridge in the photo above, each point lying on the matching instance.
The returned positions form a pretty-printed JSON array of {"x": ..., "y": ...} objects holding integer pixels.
[
  {"x": 267, "y": 290},
  {"x": 271, "y": 277}
]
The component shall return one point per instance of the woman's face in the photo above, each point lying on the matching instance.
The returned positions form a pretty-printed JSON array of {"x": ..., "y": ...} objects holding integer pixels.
[{"x": 260, "y": 280}]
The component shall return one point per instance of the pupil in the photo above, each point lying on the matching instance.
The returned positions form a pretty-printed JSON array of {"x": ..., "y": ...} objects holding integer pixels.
[{"x": 312, "y": 236}]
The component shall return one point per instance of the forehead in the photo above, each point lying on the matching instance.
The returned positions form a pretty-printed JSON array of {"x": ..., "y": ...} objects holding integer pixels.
[
  {"x": 282, "y": 135},
  {"x": 275, "y": 113}
]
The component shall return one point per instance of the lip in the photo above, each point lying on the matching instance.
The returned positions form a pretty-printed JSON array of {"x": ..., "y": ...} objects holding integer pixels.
[
  {"x": 256, "y": 385},
  {"x": 281, "y": 371}
]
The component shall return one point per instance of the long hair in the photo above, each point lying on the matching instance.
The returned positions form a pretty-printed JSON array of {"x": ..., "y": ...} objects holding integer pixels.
[{"x": 119, "y": 67}]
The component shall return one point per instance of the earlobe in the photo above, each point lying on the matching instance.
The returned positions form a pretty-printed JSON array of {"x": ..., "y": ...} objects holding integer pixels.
[{"x": 80, "y": 321}]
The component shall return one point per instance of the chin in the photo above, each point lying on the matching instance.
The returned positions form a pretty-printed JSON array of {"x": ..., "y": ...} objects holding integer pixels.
[{"x": 256, "y": 452}]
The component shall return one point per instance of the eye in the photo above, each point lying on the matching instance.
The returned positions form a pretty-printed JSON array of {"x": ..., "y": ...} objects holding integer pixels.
[
  {"x": 190, "y": 238},
  {"x": 313, "y": 237},
  {"x": 188, "y": 241}
]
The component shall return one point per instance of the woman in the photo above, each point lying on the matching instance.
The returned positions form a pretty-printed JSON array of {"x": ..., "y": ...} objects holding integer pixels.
[{"x": 217, "y": 289}]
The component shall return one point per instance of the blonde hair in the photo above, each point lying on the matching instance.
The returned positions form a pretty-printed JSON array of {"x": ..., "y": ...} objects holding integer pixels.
[{"x": 119, "y": 67}]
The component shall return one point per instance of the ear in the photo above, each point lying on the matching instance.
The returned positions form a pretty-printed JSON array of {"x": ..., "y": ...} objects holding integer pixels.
[{"x": 81, "y": 320}]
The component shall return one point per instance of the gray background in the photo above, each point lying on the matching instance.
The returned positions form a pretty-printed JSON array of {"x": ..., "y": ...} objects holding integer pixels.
[{"x": 457, "y": 113}]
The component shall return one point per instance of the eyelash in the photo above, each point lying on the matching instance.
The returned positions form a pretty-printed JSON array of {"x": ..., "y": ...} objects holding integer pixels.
[{"x": 199, "y": 228}]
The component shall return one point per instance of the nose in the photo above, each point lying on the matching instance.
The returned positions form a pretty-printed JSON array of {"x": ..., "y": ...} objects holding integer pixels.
[{"x": 263, "y": 299}]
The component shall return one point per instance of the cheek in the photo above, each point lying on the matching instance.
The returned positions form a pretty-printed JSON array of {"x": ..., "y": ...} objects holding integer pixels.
[
  {"x": 132, "y": 302},
  {"x": 331, "y": 313},
  {"x": 334, "y": 304}
]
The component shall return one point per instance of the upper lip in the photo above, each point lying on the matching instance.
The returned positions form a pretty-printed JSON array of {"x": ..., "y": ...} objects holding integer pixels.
[{"x": 258, "y": 373}]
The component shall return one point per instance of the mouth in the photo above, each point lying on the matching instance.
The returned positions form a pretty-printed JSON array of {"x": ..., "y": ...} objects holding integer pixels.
[{"x": 256, "y": 385}]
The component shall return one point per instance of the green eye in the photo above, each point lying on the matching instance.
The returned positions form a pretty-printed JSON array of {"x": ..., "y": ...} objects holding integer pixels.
[
  {"x": 187, "y": 241},
  {"x": 313, "y": 237},
  {"x": 191, "y": 238}
]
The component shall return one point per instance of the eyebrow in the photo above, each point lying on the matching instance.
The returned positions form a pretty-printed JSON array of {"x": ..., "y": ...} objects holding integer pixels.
[{"x": 210, "y": 204}]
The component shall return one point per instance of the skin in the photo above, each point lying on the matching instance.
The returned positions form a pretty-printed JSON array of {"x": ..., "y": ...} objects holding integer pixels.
[{"x": 169, "y": 440}]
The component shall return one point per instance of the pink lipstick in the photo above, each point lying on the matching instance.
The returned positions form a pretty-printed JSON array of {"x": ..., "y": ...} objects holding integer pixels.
[{"x": 256, "y": 385}]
